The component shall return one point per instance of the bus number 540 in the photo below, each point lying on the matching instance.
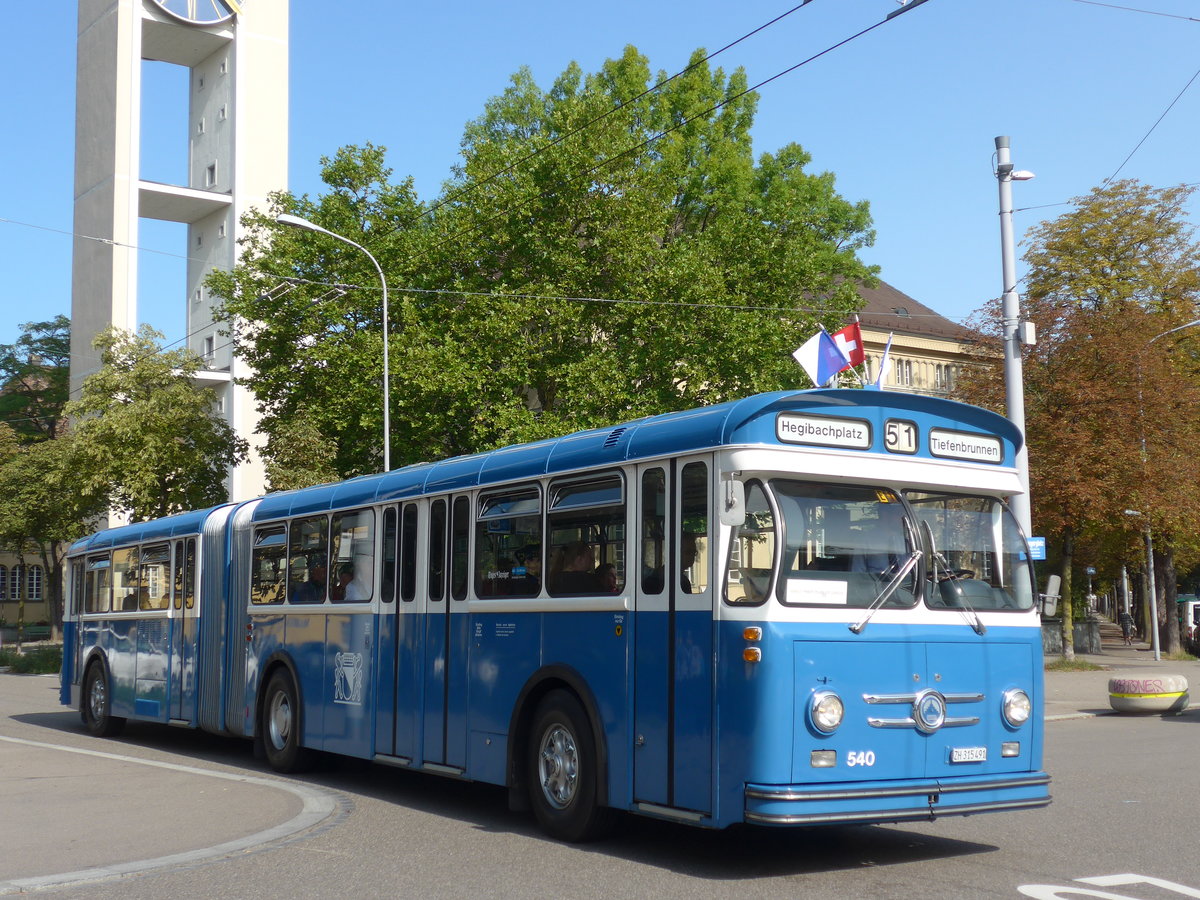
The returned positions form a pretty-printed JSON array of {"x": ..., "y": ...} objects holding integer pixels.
[{"x": 860, "y": 758}]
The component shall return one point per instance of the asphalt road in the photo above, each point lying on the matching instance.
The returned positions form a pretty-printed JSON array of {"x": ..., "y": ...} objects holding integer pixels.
[{"x": 162, "y": 812}]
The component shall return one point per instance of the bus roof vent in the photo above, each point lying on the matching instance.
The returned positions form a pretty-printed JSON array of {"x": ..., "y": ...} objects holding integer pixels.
[{"x": 612, "y": 439}]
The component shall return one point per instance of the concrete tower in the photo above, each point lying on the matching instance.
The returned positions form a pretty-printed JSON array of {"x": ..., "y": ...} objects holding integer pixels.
[{"x": 236, "y": 54}]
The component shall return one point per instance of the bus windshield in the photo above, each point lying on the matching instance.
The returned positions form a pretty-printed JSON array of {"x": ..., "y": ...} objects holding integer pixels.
[
  {"x": 817, "y": 544},
  {"x": 841, "y": 545},
  {"x": 978, "y": 558}
]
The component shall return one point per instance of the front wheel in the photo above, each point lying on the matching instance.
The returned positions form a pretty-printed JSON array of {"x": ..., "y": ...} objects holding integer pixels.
[
  {"x": 96, "y": 708},
  {"x": 281, "y": 726},
  {"x": 563, "y": 769}
]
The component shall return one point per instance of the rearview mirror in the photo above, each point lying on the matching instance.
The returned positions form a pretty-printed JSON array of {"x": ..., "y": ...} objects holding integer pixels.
[
  {"x": 733, "y": 501},
  {"x": 1051, "y": 597}
]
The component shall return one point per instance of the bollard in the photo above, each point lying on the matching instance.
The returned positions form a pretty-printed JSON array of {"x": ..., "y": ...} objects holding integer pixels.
[{"x": 1148, "y": 693}]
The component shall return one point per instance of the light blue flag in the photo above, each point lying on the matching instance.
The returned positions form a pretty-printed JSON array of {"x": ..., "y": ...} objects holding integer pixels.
[{"x": 821, "y": 358}]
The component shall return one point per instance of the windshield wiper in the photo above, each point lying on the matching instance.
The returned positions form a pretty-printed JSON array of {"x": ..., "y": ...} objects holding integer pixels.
[
  {"x": 905, "y": 569},
  {"x": 939, "y": 561}
]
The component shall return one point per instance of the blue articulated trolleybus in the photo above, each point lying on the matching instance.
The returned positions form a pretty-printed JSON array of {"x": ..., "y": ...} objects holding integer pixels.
[{"x": 793, "y": 609}]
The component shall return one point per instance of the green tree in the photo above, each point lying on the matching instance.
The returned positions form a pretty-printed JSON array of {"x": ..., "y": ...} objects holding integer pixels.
[
  {"x": 147, "y": 439},
  {"x": 1111, "y": 418},
  {"x": 43, "y": 506},
  {"x": 601, "y": 253},
  {"x": 34, "y": 375},
  {"x": 298, "y": 456}
]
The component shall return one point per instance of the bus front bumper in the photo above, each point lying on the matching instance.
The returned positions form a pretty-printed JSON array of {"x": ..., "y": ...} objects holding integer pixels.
[{"x": 892, "y": 801}]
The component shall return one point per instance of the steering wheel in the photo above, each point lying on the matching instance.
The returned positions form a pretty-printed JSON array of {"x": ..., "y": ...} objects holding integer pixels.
[{"x": 955, "y": 574}]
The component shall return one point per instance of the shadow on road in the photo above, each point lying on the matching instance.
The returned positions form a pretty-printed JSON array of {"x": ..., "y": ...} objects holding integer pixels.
[{"x": 739, "y": 852}]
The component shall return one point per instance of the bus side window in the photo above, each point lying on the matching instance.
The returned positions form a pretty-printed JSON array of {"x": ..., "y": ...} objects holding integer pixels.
[
  {"x": 308, "y": 550},
  {"x": 268, "y": 566},
  {"x": 408, "y": 554},
  {"x": 154, "y": 585},
  {"x": 125, "y": 581},
  {"x": 460, "y": 543},
  {"x": 752, "y": 551},
  {"x": 353, "y": 555},
  {"x": 654, "y": 530},
  {"x": 585, "y": 530},
  {"x": 177, "y": 574},
  {"x": 98, "y": 597},
  {"x": 508, "y": 543},
  {"x": 387, "y": 569},
  {"x": 77, "y": 589},
  {"x": 693, "y": 529},
  {"x": 189, "y": 574},
  {"x": 437, "y": 551}
]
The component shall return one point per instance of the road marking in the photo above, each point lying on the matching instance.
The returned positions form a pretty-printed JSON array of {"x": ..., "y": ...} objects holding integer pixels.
[
  {"x": 1066, "y": 892},
  {"x": 318, "y": 806}
]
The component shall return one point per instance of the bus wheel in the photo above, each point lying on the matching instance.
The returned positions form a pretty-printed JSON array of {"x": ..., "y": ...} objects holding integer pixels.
[
  {"x": 95, "y": 710},
  {"x": 281, "y": 726},
  {"x": 563, "y": 765}
]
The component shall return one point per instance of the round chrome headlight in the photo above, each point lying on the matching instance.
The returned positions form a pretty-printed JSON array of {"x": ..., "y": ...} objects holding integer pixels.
[
  {"x": 826, "y": 711},
  {"x": 1017, "y": 707}
]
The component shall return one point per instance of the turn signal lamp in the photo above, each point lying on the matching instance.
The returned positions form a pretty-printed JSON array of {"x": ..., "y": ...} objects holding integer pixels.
[
  {"x": 823, "y": 759},
  {"x": 1010, "y": 748},
  {"x": 752, "y": 654},
  {"x": 752, "y": 633}
]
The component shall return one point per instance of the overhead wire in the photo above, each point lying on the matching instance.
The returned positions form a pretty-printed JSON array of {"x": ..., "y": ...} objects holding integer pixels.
[{"x": 656, "y": 137}]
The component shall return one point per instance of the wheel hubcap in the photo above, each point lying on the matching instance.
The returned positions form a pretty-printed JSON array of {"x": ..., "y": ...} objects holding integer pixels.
[
  {"x": 97, "y": 699},
  {"x": 279, "y": 721},
  {"x": 558, "y": 766}
]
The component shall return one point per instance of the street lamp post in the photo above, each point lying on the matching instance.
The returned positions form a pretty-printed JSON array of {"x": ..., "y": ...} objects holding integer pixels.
[
  {"x": 297, "y": 222},
  {"x": 1014, "y": 384},
  {"x": 1152, "y": 600}
]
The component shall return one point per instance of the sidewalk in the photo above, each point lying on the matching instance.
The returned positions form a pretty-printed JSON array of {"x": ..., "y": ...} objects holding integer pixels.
[{"x": 1071, "y": 695}]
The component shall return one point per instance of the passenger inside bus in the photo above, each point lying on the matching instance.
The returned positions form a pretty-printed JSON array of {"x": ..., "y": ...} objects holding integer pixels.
[
  {"x": 313, "y": 590},
  {"x": 571, "y": 572}
]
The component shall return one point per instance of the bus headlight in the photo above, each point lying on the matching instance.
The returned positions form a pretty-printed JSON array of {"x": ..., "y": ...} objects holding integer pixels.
[
  {"x": 1017, "y": 707},
  {"x": 826, "y": 711}
]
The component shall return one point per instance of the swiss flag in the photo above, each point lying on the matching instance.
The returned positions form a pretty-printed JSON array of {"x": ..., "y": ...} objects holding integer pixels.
[{"x": 850, "y": 340}]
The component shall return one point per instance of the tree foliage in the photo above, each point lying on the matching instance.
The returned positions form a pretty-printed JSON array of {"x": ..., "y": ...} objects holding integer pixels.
[
  {"x": 1112, "y": 408},
  {"x": 147, "y": 440},
  {"x": 601, "y": 252},
  {"x": 34, "y": 376}
]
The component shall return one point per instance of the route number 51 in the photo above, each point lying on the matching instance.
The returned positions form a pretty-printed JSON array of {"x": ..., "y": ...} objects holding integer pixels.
[{"x": 900, "y": 436}]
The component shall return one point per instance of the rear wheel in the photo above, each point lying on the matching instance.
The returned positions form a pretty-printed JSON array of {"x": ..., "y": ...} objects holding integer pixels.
[
  {"x": 96, "y": 706},
  {"x": 563, "y": 769},
  {"x": 281, "y": 726}
]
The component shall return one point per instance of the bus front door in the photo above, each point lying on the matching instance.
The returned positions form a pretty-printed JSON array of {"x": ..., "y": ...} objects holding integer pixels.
[{"x": 673, "y": 716}]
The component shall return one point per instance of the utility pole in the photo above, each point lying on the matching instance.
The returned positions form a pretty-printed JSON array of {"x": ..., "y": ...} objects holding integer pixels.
[{"x": 1015, "y": 334}]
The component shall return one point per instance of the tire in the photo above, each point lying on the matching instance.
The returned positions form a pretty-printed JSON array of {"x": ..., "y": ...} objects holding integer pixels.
[
  {"x": 280, "y": 726},
  {"x": 563, "y": 770},
  {"x": 95, "y": 706}
]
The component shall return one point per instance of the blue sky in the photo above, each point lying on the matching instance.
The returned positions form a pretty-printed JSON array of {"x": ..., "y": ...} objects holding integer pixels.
[{"x": 904, "y": 116}]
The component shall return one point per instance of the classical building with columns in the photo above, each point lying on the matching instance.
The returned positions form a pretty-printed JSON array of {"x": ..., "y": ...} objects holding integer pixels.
[{"x": 928, "y": 350}]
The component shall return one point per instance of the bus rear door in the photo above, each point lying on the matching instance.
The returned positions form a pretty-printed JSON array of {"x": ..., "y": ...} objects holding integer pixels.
[{"x": 182, "y": 675}]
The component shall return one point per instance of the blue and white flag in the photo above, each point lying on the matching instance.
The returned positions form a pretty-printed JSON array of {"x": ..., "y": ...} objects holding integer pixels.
[
  {"x": 877, "y": 384},
  {"x": 821, "y": 358}
]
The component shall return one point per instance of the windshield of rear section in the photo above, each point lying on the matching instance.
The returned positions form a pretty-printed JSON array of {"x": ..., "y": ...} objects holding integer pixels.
[
  {"x": 977, "y": 556},
  {"x": 837, "y": 545}
]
